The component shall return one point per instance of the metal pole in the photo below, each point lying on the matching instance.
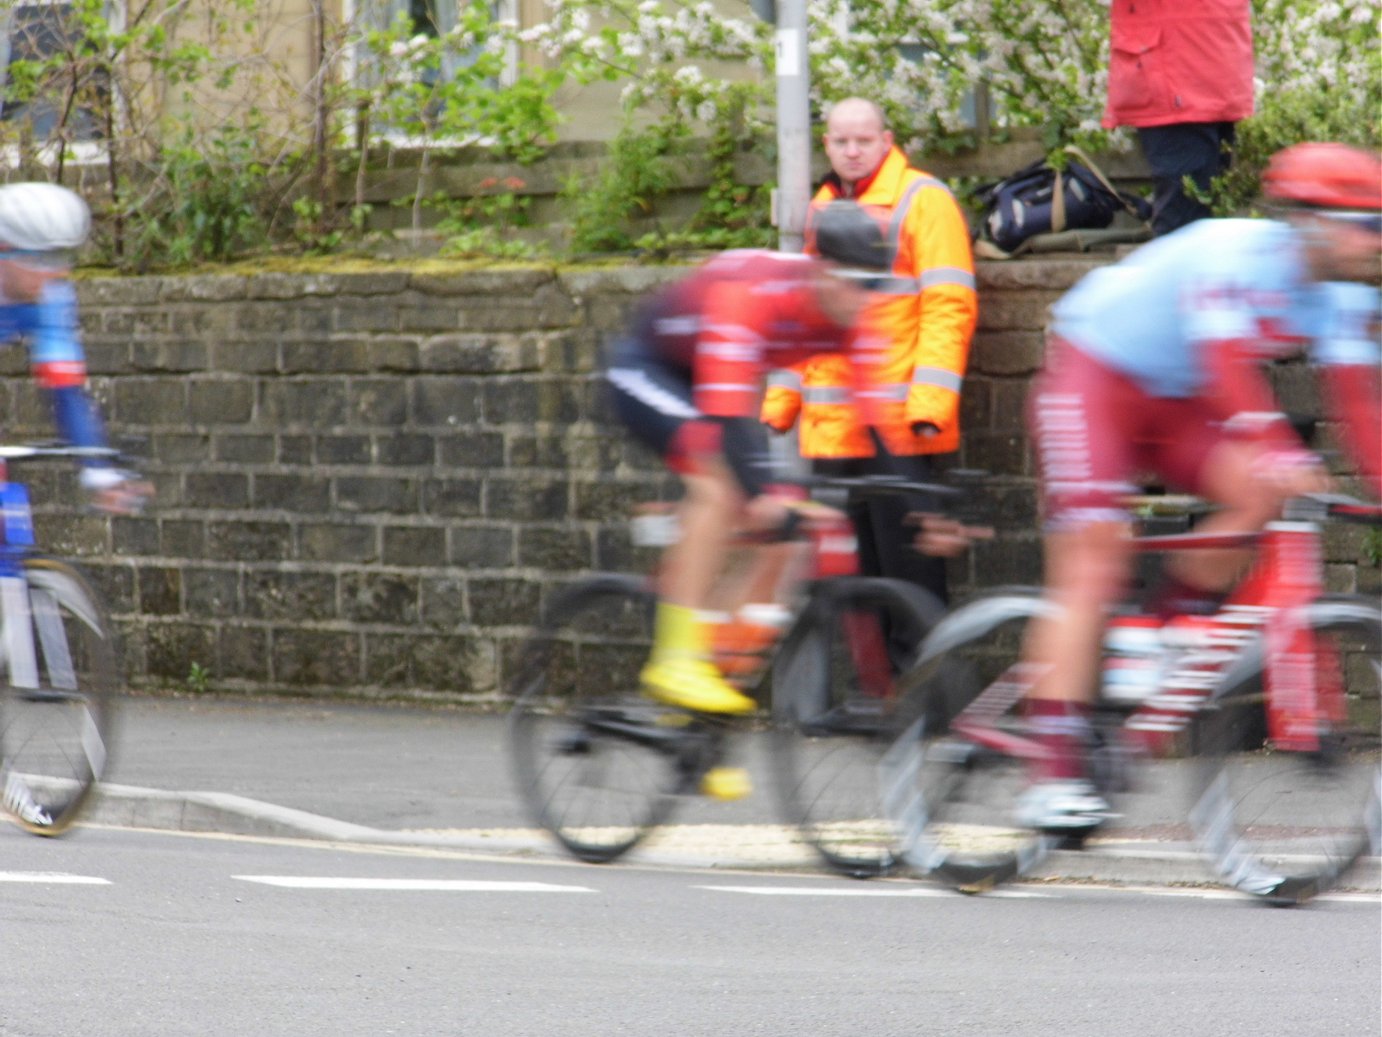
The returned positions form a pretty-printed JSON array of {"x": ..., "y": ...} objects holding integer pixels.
[{"x": 793, "y": 125}]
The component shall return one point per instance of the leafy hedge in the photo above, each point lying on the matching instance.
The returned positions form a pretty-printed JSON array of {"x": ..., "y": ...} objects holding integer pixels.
[{"x": 207, "y": 146}]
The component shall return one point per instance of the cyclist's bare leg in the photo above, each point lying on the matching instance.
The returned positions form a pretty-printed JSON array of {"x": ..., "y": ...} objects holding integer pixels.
[
  {"x": 1250, "y": 492},
  {"x": 1086, "y": 571},
  {"x": 707, "y": 515},
  {"x": 679, "y": 671},
  {"x": 770, "y": 572}
]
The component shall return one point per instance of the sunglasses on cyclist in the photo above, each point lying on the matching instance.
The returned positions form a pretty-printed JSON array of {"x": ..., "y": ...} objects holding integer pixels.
[{"x": 1369, "y": 221}]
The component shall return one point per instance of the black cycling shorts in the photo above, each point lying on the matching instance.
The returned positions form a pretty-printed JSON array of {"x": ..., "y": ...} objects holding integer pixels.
[{"x": 652, "y": 399}]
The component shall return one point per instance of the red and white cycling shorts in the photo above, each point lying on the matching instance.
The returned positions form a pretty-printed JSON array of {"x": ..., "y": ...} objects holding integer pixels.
[{"x": 1095, "y": 433}]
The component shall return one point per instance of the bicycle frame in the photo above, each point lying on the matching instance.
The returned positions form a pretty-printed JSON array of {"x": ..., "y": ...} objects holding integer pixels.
[
  {"x": 16, "y": 541},
  {"x": 1259, "y": 625},
  {"x": 828, "y": 549}
]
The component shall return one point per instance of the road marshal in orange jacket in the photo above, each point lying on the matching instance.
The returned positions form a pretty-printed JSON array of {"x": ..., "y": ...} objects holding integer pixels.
[{"x": 908, "y": 389}]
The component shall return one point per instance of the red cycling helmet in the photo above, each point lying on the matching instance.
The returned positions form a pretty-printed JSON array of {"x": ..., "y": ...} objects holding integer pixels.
[{"x": 1330, "y": 176}]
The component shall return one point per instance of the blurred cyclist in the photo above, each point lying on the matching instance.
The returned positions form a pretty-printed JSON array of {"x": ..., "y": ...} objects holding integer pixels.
[
  {"x": 41, "y": 225},
  {"x": 1153, "y": 365},
  {"x": 687, "y": 379}
]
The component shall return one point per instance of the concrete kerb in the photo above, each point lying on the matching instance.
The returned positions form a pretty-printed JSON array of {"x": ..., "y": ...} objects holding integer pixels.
[{"x": 753, "y": 847}]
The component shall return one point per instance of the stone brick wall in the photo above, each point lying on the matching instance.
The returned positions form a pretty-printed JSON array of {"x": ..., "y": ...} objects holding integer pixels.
[{"x": 368, "y": 483}]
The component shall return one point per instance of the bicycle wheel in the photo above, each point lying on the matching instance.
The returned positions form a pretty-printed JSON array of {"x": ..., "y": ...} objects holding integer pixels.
[
  {"x": 954, "y": 777},
  {"x": 834, "y": 694},
  {"x": 596, "y": 763},
  {"x": 1287, "y": 825},
  {"x": 56, "y": 715}
]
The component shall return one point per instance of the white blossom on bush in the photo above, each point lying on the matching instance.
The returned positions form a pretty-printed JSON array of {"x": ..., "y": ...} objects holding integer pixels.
[{"x": 1041, "y": 63}]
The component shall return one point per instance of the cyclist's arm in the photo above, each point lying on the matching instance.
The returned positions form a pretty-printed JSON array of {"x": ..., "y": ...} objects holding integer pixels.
[
  {"x": 1232, "y": 339},
  {"x": 726, "y": 372},
  {"x": 59, "y": 366},
  {"x": 1348, "y": 353},
  {"x": 1239, "y": 394},
  {"x": 1355, "y": 400},
  {"x": 60, "y": 369}
]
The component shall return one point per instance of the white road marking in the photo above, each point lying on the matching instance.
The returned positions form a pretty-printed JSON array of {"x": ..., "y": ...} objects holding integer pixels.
[
  {"x": 873, "y": 891},
  {"x": 53, "y": 878},
  {"x": 408, "y": 885}
]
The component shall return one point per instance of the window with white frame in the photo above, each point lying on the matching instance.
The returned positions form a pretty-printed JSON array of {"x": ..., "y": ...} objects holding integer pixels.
[{"x": 34, "y": 31}]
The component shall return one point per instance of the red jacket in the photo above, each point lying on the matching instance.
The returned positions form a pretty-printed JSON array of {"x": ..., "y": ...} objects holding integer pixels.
[{"x": 1173, "y": 61}]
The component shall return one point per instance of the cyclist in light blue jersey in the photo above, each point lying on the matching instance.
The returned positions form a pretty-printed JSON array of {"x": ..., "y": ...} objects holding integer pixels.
[
  {"x": 40, "y": 226},
  {"x": 1154, "y": 367},
  {"x": 1245, "y": 280}
]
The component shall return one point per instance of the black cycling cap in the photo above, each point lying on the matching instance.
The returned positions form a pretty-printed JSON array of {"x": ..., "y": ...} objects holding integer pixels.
[{"x": 848, "y": 235}]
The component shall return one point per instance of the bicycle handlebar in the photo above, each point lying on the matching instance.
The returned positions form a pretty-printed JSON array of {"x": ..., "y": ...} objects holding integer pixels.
[
  {"x": 1310, "y": 507},
  {"x": 893, "y": 484},
  {"x": 1315, "y": 507},
  {"x": 44, "y": 451}
]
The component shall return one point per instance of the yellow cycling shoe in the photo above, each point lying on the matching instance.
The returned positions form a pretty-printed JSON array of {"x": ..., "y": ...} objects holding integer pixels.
[
  {"x": 726, "y": 783},
  {"x": 693, "y": 684}
]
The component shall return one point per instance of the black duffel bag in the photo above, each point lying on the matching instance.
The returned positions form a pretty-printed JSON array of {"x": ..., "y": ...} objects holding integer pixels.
[{"x": 1040, "y": 199}]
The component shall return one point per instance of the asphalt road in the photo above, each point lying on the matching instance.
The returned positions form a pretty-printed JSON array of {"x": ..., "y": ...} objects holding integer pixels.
[{"x": 130, "y": 934}]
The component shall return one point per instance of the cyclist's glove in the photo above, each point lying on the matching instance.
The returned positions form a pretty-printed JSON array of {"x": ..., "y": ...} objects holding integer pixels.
[
  {"x": 115, "y": 490},
  {"x": 95, "y": 479}
]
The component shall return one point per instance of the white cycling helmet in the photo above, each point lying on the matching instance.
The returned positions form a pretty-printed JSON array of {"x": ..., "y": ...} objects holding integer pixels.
[{"x": 40, "y": 217}]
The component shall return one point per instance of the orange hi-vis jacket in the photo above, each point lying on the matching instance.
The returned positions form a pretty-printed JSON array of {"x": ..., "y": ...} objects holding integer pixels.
[{"x": 921, "y": 337}]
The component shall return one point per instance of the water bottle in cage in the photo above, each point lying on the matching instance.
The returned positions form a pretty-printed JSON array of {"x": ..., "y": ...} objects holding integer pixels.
[{"x": 1134, "y": 659}]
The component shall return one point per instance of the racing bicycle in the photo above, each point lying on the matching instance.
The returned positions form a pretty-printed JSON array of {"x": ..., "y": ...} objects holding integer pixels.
[
  {"x": 599, "y": 765},
  {"x": 1269, "y": 707},
  {"x": 58, "y": 663}
]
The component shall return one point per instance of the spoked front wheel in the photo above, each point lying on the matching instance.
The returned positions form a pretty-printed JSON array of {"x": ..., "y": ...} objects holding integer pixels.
[
  {"x": 1287, "y": 824},
  {"x": 60, "y": 673},
  {"x": 956, "y": 770},
  {"x": 835, "y": 699},
  {"x": 596, "y": 763}
]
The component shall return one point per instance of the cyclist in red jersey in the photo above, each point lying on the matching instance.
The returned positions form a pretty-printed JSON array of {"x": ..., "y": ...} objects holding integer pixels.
[
  {"x": 687, "y": 379},
  {"x": 1153, "y": 366}
]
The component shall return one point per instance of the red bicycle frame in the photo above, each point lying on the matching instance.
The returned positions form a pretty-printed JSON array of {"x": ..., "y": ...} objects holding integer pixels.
[{"x": 1300, "y": 692}]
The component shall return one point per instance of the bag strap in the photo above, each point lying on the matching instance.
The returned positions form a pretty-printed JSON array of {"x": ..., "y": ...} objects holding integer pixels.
[
  {"x": 1075, "y": 151},
  {"x": 1058, "y": 204}
]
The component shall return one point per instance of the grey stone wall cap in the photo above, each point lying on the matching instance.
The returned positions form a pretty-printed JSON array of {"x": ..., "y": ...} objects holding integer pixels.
[{"x": 1055, "y": 273}]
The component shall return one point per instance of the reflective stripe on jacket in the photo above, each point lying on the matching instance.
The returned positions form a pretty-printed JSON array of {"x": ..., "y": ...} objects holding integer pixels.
[
  {"x": 817, "y": 395},
  {"x": 921, "y": 339}
]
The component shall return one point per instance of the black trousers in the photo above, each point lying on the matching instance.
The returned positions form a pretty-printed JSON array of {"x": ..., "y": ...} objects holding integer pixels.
[
  {"x": 1198, "y": 150},
  {"x": 880, "y": 520}
]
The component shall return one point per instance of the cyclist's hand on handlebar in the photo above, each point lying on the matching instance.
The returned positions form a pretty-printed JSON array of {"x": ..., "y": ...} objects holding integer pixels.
[
  {"x": 941, "y": 537},
  {"x": 811, "y": 511},
  {"x": 774, "y": 510},
  {"x": 116, "y": 491},
  {"x": 768, "y": 511}
]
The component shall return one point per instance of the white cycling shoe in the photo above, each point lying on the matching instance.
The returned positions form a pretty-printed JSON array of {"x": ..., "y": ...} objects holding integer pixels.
[{"x": 1062, "y": 805}]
